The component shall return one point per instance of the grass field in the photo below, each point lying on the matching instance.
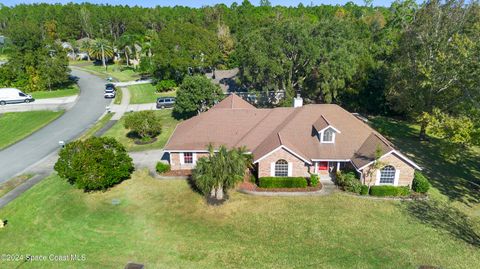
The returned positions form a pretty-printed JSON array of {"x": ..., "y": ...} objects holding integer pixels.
[
  {"x": 121, "y": 73},
  {"x": 68, "y": 91},
  {"x": 18, "y": 125},
  {"x": 118, "y": 96},
  {"x": 168, "y": 125},
  {"x": 146, "y": 93},
  {"x": 164, "y": 224}
]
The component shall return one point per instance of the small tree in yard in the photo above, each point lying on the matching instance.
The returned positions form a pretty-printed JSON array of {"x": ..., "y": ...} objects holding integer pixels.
[
  {"x": 196, "y": 94},
  {"x": 94, "y": 164},
  {"x": 220, "y": 171},
  {"x": 372, "y": 169},
  {"x": 145, "y": 124}
]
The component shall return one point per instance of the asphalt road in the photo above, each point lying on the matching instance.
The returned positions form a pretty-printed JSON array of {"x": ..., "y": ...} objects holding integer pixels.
[{"x": 89, "y": 107}]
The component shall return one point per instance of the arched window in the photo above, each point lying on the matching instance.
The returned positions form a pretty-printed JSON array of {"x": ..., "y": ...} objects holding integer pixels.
[
  {"x": 328, "y": 135},
  {"x": 387, "y": 175},
  {"x": 281, "y": 168}
]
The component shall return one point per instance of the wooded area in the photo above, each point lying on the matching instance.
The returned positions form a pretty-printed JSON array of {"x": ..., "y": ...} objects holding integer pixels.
[{"x": 420, "y": 62}]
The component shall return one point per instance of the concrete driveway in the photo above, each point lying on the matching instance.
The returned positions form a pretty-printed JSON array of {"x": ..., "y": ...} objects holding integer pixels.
[{"x": 86, "y": 111}]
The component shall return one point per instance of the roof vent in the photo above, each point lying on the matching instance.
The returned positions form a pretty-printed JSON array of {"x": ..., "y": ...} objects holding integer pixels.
[{"x": 298, "y": 101}]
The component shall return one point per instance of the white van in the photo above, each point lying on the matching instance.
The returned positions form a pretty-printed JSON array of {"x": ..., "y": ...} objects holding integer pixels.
[{"x": 13, "y": 96}]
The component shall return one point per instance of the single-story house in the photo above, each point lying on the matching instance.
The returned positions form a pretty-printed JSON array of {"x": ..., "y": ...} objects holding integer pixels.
[{"x": 292, "y": 141}]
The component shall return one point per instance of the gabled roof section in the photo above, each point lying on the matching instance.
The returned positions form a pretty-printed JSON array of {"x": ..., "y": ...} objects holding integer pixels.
[
  {"x": 366, "y": 153},
  {"x": 322, "y": 124},
  {"x": 233, "y": 101}
]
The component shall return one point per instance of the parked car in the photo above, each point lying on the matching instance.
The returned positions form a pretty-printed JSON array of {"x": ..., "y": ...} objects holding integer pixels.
[
  {"x": 110, "y": 86},
  {"x": 13, "y": 96},
  {"x": 109, "y": 93},
  {"x": 165, "y": 102}
]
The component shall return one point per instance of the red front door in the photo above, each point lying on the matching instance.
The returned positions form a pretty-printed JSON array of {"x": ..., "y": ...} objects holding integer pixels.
[{"x": 322, "y": 166}]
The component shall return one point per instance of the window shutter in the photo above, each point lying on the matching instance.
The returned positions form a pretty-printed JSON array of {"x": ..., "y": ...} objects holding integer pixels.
[
  {"x": 378, "y": 177},
  {"x": 272, "y": 169},
  {"x": 194, "y": 158},
  {"x": 181, "y": 158},
  {"x": 289, "y": 169},
  {"x": 397, "y": 175}
]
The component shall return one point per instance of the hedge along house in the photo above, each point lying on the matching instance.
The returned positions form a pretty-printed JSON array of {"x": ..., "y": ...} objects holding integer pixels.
[{"x": 295, "y": 141}]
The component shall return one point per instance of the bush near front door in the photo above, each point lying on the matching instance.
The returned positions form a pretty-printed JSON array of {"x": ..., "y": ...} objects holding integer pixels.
[{"x": 282, "y": 182}]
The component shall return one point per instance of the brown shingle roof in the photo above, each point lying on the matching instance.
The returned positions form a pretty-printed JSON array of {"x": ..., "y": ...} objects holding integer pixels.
[
  {"x": 232, "y": 124},
  {"x": 366, "y": 153},
  {"x": 233, "y": 101}
]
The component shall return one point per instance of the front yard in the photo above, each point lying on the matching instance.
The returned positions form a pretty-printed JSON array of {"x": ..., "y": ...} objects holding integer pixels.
[
  {"x": 119, "y": 132},
  {"x": 119, "y": 72},
  {"x": 146, "y": 93},
  {"x": 164, "y": 224},
  {"x": 64, "y": 92},
  {"x": 16, "y": 126}
]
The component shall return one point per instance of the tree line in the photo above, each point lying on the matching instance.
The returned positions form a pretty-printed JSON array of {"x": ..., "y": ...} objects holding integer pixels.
[{"x": 418, "y": 61}]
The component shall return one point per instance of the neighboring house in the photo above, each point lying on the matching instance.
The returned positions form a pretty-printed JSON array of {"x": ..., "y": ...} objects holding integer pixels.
[
  {"x": 295, "y": 141},
  {"x": 225, "y": 79}
]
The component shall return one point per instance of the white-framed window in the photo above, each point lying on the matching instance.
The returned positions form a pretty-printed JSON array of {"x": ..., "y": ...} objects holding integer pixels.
[
  {"x": 187, "y": 157},
  {"x": 327, "y": 136},
  {"x": 387, "y": 175},
  {"x": 281, "y": 168}
]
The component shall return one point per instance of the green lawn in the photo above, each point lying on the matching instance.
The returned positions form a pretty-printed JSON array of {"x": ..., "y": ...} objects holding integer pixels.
[
  {"x": 146, "y": 93},
  {"x": 168, "y": 125},
  {"x": 97, "y": 126},
  {"x": 18, "y": 125},
  {"x": 67, "y": 91},
  {"x": 121, "y": 73},
  {"x": 164, "y": 224},
  {"x": 450, "y": 177}
]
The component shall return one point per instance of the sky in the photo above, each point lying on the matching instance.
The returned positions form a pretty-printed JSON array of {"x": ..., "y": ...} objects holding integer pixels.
[{"x": 198, "y": 3}]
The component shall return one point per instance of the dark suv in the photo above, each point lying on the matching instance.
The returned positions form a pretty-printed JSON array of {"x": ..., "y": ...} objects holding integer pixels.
[{"x": 165, "y": 102}]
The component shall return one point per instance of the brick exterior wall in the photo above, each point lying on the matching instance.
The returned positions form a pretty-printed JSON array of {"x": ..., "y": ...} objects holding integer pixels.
[
  {"x": 175, "y": 163},
  {"x": 299, "y": 167},
  {"x": 405, "y": 177}
]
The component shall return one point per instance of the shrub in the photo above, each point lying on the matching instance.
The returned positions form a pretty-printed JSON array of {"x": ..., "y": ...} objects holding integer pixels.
[
  {"x": 314, "y": 180},
  {"x": 282, "y": 182},
  {"x": 94, "y": 164},
  {"x": 420, "y": 183},
  {"x": 162, "y": 167},
  {"x": 349, "y": 182},
  {"x": 389, "y": 191},
  {"x": 145, "y": 124},
  {"x": 166, "y": 85},
  {"x": 364, "y": 190}
]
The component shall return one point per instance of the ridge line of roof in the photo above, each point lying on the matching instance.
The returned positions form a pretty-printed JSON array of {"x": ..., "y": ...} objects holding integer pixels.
[{"x": 253, "y": 127}]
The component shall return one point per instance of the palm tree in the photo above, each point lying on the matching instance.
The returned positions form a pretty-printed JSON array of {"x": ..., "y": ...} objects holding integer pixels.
[
  {"x": 101, "y": 49},
  {"x": 85, "y": 46},
  {"x": 220, "y": 171}
]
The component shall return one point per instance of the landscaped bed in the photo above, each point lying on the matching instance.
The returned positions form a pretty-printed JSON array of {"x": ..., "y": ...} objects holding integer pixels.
[{"x": 119, "y": 132}]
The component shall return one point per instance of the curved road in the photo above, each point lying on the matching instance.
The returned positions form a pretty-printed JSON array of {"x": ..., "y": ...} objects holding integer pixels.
[{"x": 89, "y": 107}]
